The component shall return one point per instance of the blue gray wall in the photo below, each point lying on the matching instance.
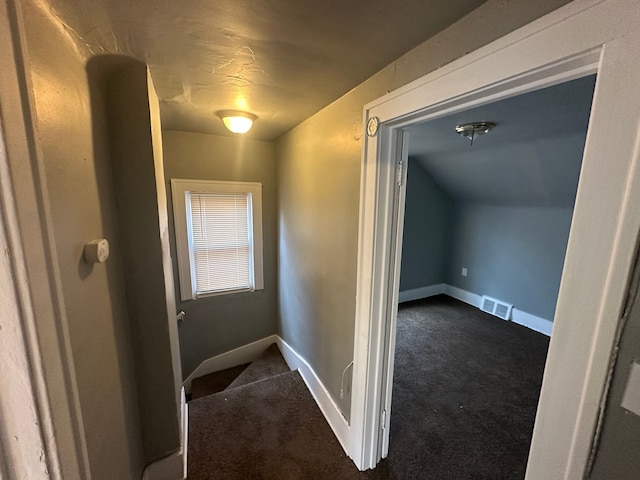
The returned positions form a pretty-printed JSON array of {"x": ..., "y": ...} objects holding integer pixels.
[
  {"x": 428, "y": 231},
  {"x": 512, "y": 253},
  {"x": 515, "y": 254}
]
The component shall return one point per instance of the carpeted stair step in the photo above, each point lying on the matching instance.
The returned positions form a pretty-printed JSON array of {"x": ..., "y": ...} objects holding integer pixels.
[
  {"x": 236, "y": 392},
  {"x": 215, "y": 382},
  {"x": 269, "y": 363},
  {"x": 268, "y": 429}
]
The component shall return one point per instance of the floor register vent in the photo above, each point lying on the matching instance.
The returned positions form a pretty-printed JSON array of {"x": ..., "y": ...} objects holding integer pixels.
[{"x": 496, "y": 307}]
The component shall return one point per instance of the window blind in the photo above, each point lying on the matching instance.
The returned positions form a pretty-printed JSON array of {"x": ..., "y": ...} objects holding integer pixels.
[{"x": 221, "y": 241}]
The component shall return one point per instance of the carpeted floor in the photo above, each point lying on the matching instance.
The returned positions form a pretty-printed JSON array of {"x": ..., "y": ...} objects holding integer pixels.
[
  {"x": 215, "y": 382},
  {"x": 465, "y": 393},
  {"x": 269, "y": 364},
  {"x": 270, "y": 429}
]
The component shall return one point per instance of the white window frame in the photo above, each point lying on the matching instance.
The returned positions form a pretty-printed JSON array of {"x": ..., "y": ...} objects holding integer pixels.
[{"x": 179, "y": 190}]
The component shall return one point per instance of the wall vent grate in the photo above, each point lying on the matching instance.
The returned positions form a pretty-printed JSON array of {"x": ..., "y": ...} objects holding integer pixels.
[{"x": 496, "y": 307}]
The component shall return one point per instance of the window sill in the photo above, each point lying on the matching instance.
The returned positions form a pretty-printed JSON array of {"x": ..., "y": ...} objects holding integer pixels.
[{"x": 224, "y": 292}]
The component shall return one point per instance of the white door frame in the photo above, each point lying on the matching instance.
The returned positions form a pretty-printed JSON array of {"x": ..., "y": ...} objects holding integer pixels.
[
  {"x": 41, "y": 432},
  {"x": 581, "y": 38}
]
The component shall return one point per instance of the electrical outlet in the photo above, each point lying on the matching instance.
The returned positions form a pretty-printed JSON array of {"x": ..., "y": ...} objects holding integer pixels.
[{"x": 464, "y": 271}]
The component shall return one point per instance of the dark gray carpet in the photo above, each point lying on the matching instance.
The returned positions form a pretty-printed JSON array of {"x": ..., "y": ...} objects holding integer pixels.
[
  {"x": 215, "y": 382},
  {"x": 465, "y": 393},
  {"x": 466, "y": 388},
  {"x": 269, "y": 429},
  {"x": 269, "y": 364}
]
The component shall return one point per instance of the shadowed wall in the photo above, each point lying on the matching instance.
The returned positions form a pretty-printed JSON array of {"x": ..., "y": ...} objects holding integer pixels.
[{"x": 73, "y": 140}]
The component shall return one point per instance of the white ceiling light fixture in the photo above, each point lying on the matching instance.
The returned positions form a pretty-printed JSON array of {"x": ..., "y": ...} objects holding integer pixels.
[
  {"x": 237, "y": 121},
  {"x": 471, "y": 130}
]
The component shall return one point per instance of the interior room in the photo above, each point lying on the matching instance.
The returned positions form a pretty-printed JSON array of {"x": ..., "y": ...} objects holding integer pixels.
[
  {"x": 121, "y": 156},
  {"x": 491, "y": 215},
  {"x": 486, "y": 224}
]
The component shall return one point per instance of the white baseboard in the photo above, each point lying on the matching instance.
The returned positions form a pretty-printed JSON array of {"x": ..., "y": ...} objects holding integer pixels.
[
  {"x": 538, "y": 324},
  {"x": 184, "y": 432},
  {"x": 464, "y": 296},
  {"x": 322, "y": 397},
  {"x": 174, "y": 466},
  {"x": 250, "y": 352},
  {"x": 233, "y": 358},
  {"x": 422, "y": 292}
]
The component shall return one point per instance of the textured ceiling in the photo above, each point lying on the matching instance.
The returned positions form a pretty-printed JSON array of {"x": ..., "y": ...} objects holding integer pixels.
[
  {"x": 282, "y": 60},
  {"x": 531, "y": 158}
]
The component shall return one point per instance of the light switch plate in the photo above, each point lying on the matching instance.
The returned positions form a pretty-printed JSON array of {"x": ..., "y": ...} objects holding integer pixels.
[{"x": 631, "y": 397}]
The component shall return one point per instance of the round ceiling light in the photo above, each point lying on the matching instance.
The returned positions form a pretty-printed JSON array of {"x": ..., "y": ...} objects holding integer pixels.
[
  {"x": 471, "y": 130},
  {"x": 237, "y": 121}
]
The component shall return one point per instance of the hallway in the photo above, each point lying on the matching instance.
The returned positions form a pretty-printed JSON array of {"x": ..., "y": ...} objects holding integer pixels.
[{"x": 465, "y": 395}]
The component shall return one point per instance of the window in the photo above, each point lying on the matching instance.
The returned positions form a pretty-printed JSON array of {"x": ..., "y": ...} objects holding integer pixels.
[{"x": 218, "y": 237}]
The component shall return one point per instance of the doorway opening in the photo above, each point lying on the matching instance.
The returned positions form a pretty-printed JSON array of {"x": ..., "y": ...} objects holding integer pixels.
[
  {"x": 490, "y": 219},
  {"x": 602, "y": 241}
]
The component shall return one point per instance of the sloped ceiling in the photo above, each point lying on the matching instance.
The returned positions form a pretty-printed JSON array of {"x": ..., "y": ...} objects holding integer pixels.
[
  {"x": 282, "y": 60},
  {"x": 531, "y": 158}
]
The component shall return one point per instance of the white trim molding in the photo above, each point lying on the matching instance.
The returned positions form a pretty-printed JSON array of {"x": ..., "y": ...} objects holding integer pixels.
[
  {"x": 535, "y": 323},
  {"x": 232, "y": 358},
  {"x": 579, "y": 39},
  {"x": 174, "y": 466},
  {"x": 538, "y": 324},
  {"x": 321, "y": 395},
  {"x": 18, "y": 390},
  {"x": 295, "y": 361},
  {"x": 464, "y": 296},
  {"x": 181, "y": 189},
  {"x": 422, "y": 292}
]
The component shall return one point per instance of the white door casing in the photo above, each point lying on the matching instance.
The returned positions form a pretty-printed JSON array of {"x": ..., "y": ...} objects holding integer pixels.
[
  {"x": 581, "y": 38},
  {"x": 402, "y": 169}
]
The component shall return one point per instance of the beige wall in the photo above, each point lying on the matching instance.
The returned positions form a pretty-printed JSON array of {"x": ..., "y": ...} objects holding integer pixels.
[
  {"x": 72, "y": 136},
  {"x": 319, "y": 186},
  {"x": 218, "y": 324}
]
